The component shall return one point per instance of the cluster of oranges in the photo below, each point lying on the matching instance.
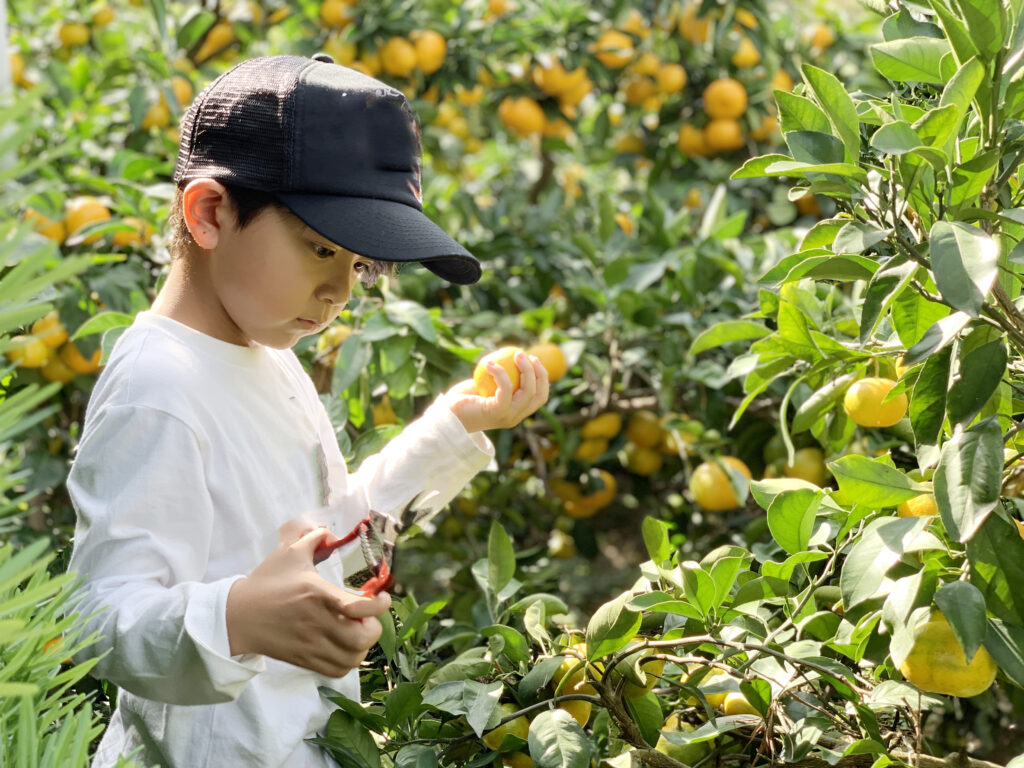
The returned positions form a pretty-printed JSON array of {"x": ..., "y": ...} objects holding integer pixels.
[
  {"x": 48, "y": 349},
  {"x": 83, "y": 211},
  {"x": 424, "y": 50},
  {"x": 74, "y": 34}
]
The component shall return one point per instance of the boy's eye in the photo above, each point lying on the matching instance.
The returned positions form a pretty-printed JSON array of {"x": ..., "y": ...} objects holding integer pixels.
[{"x": 323, "y": 252}]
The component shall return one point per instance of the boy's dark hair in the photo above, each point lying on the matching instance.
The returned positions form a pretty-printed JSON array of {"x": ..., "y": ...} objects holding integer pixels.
[{"x": 248, "y": 204}]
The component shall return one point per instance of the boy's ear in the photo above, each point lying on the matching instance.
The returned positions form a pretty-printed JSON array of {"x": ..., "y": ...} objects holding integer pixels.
[{"x": 206, "y": 209}]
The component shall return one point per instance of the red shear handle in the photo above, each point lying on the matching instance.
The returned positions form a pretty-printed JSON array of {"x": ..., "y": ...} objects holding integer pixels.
[
  {"x": 379, "y": 583},
  {"x": 326, "y": 547}
]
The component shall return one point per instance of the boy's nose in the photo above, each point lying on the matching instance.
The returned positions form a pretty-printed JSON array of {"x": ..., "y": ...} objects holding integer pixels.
[{"x": 337, "y": 291}]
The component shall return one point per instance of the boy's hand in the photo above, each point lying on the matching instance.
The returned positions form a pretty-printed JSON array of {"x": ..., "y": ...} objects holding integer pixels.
[
  {"x": 284, "y": 609},
  {"x": 505, "y": 408}
]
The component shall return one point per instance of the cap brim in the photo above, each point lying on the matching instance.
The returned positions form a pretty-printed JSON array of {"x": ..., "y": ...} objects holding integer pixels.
[{"x": 385, "y": 230}]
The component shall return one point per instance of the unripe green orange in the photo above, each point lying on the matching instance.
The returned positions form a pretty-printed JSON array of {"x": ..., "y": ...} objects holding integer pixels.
[{"x": 520, "y": 727}]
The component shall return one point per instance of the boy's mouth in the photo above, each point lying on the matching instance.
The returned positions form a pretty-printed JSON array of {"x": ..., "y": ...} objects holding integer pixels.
[{"x": 313, "y": 325}]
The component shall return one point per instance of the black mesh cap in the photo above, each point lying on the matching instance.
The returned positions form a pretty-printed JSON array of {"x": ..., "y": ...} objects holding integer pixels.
[{"x": 341, "y": 150}]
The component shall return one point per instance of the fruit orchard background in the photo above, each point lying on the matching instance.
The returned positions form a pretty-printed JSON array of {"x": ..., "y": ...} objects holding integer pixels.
[{"x": 711, "y": 312}]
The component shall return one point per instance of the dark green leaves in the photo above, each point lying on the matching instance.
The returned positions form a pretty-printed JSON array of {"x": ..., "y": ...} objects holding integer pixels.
[
  {"x": 611, "y": 627},
  {"x": 996, "y": 554},
  {"x": 981, "y": 370},
  {"x": 964, "y": 262},
  {"x": 838, "y": 107},
  {"x": 968, "y": 478},
  {"x": 928, "y": 403},
  {"x": 501, "y": 558},
  {"x": 964, "y": 608}
]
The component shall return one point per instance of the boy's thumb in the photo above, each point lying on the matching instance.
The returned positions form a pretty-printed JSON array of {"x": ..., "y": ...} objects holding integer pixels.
[{"x": 313, "y": 539}]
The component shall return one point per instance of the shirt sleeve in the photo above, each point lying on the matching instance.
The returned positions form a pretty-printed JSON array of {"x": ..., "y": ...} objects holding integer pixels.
[
  {"x": 142, "y": 542},
  {"x": 433, "y": 453}
]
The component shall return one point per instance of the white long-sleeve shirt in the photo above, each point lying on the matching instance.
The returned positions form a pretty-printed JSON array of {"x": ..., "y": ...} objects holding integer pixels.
[{"x": 194, "y": 452}]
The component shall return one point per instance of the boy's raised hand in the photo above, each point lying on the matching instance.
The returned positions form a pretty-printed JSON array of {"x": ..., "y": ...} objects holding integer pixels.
[
  {"x": 284, "y": 609},
  {"x": 505, "y": 408}
]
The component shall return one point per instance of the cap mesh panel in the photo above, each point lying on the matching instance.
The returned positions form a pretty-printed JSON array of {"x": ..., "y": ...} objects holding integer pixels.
[{"x": 239, "y": 128}]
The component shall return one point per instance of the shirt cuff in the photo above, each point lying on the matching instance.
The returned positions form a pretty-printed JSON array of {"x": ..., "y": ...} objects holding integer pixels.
[
  {"x": 454, "y": 432},
  {"x": 206, "y": 624}
]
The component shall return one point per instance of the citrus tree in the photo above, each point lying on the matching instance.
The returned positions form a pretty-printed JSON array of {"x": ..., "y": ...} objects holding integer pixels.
[{"x": 584, "y": 152}]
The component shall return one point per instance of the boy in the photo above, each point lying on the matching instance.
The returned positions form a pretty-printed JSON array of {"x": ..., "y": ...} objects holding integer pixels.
[{"x": 205, "y": 439}]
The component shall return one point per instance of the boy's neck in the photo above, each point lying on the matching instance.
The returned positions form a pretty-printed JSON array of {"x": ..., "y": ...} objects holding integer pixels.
[{"x": 179, "y": 300}]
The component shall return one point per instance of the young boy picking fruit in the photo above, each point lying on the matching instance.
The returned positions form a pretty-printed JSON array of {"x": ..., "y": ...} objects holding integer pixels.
[{"x": 205, "y": 440}]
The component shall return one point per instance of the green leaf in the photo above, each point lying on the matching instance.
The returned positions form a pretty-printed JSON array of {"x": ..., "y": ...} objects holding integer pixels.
[
  {"x": 986, "y": 24},
  {"x": 970, "y": 178},
  {"x": 883, "y": 288},
  {"x": 655, "y": 533},
  {"x": 928, "y": 404},
  {"x": 646, "y": 712},
  {"x": 416, "y": 756},
  {"x": 796, "y": 168},
  {"x": 914, "y": 59},
  {"x": 353, "y": 357},
  {"x": 726, "y": 332},
  {"x": 884, "y": 541},
  {"x": 873, "y": 483},
  {"x": 501, "y": 558},
  {"x": 416, "y": 316},
  {"x": 101, "y": 323},
  {"x": 963, "y": 605},
  {"x": 913, "y": 314},
  {"x": 857, "y": 237},
  {"x": 822, "y": 234},
  {"x": 838, "y": 106},
  {"x": 968, "y": 478},
  {"x": 939, "y": 336},
  {"x": 798, "y": 113},
  {"x": 791, "y": 518},
  {"x": 821, "y": 401},
  {"x": 815, "y": 147},
  {"x": 965, "y": 263},
  {"x": 996, "y": 555},
  {"x": 956, "y": 31},
  {"x": 754, "y": 168},
  {"x": 981, "y": 370},
  {"x": 1005, "y": 641},
  {"x": 959, "y": 92},
  {"x": 699, "y": 587},
  {"x": 611, "y": 627},
  {"x": 557, "y": 741},
  {"x": 402, "y": 703},
  {"x": 357, "y": 747},
  {"x": 896, "y": 138}
]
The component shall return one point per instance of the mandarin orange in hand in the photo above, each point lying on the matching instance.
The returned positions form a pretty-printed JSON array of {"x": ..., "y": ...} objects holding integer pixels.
[
  {"x": 486, "y": 385},
  {"x": 552, "y": 358}
]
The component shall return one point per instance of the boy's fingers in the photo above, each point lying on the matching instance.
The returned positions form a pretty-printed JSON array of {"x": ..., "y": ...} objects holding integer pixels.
[
  {"x": 294, "y": 530},
  {"x": 504, "y": 382},
  {"x": 543, "y": 382},
  {"x": 527, "y": 379},
  {"x": 363, "y": 607},
  {"x": 310, "y": 540}
]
